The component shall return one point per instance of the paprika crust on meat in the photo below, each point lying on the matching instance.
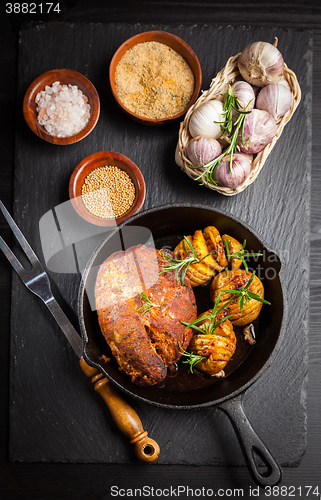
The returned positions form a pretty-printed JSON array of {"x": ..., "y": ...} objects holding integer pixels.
[{"x": 145, "y": 339}]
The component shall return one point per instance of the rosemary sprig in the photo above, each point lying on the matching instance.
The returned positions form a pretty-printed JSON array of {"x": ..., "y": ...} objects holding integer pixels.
[
  {"x": 191, "y": 359},
  {"x": 244, "y": 294},
  {"x": 230, "y": 103},
  {"x": 231, "y": 127},
  {"x": 208, "y": 329},
  {"x": 146, "y": 307},
  {"x": 241, "y": 254},
  {"x": 181, "y": 265}
]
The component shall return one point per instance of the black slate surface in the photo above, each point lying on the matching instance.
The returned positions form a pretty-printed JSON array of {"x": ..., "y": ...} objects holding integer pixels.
[{"x": 54, "y": 413}]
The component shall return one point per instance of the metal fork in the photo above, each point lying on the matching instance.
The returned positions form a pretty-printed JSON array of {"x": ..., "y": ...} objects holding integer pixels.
[{"x": 37, "y": 281}]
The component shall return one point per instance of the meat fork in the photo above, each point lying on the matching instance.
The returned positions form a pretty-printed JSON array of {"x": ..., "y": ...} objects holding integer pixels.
[{"x": 37, "y": 281}]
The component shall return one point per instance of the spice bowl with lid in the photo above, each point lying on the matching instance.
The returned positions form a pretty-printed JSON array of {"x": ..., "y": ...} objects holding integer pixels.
[
  {"x": 106, "y": 188},
  {"x": 61, "y": 106},
  {"x": 155, "y": 77}
]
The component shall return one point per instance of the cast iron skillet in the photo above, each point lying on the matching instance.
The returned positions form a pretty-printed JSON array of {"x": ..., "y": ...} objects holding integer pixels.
[{"x": 165, "y": 226}]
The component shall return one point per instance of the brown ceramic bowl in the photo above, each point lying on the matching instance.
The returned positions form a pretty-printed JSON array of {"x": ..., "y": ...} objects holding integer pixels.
[
  {"x": 176, "y": 44},
  {"x": 101, "y": 159},
  {"x": 65, "y": 77}
]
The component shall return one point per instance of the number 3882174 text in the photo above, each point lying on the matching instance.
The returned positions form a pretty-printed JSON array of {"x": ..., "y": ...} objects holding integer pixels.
[{"x": 32, "y": 8}]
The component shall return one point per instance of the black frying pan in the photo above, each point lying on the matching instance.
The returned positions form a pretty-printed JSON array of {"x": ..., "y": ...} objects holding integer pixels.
[{"x": 165, "y": 226}]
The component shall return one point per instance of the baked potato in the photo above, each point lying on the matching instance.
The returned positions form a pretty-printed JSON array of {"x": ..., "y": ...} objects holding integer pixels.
[
  {"x": 234, "y": 246},
  {"x": 243, "y": 311},
  {"x": 209, "y": 256},
  {"x": 216, "y": 347}
]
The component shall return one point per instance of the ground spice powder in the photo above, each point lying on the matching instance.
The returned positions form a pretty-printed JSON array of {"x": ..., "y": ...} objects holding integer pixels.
[
  {"x": 153, "y": 81},
  {"x": 108, "y": 192}
]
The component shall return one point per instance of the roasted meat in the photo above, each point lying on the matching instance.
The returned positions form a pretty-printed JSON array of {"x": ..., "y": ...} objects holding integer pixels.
[{"x": 140, "y": 308}]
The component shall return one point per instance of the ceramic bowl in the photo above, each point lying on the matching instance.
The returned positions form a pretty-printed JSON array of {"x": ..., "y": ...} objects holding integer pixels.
[
  {"x": 65, "y": 77},
  {"x": 101, "y": 159},
  {"x": 176, "y": 44}
]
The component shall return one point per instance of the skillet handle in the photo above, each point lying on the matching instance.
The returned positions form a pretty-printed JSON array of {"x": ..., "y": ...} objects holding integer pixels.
[
  {"x": 124, "y": 416},
  {"x": 251, "y": 444}
]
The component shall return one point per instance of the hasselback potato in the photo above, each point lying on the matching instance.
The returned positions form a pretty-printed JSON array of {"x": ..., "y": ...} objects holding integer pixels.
[
  {"x": 242, "y": 311},
  {"x": 210, "y": 255},
  {"x": 234, "y": 246},
  {"x": 217, "y": 347}
]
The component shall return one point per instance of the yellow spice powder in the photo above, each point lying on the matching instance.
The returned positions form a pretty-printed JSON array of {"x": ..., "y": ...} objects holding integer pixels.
[
  {"x": 153, "y": 81},
  {"x": 108, "y": 192}
]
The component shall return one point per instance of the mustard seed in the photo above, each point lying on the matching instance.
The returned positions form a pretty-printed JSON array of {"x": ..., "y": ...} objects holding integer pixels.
[{"x": 108, "y": 192}]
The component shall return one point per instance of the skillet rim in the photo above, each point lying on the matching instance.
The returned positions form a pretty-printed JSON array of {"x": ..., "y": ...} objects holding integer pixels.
[{"x": 230, "y": 395}]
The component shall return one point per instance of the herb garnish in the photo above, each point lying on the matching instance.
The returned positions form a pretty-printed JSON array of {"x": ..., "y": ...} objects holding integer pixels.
[
  {"x": 241, "y": 254},
  {"x": 192, "y": 359},
  {"x": 244, "y": 294},
  {"x": 231, "y": 127},
  {"x": 146, "y": 307},
  {"x": 208, "y": 329},
  {"x": 181, "y": 265}
]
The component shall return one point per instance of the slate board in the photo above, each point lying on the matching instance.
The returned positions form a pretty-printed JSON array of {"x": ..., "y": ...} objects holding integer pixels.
[{"x": 55, "y": 416}]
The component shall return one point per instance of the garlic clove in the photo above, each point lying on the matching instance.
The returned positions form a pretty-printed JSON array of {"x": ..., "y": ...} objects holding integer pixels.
[{"x": 285, "y": 83}]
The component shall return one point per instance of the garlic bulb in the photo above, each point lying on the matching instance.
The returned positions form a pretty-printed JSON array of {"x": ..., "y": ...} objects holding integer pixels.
[
  {"x": 261, "y": 63},
  {"x": 202, "y": 150},
  {"x": 259, "y": 129},
  {"x": 276, "y": 99},
  {"x": 234, "y": 177},
  {"x": 205, "y": 121},
  {"x": 244, "y": 93}
]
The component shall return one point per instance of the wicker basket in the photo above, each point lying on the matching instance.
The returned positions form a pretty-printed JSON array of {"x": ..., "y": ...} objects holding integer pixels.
[{"x": 218, "y": 86}]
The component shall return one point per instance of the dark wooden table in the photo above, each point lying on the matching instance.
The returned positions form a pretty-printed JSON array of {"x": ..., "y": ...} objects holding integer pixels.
[{"x": 93, "y": 481}]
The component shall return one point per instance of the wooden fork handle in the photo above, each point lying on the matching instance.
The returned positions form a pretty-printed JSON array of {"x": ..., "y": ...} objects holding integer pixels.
[{"x": 124, "y": 416}]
